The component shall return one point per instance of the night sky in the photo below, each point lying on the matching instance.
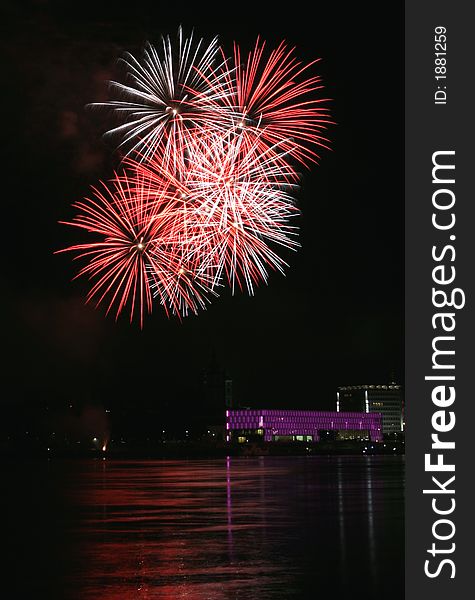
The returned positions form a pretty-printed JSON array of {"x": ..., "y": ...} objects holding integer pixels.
[{"x": 337, "y": 316}]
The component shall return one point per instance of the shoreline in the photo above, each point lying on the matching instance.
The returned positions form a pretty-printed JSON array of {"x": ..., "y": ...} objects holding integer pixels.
[{"x": 196, "y": 450}]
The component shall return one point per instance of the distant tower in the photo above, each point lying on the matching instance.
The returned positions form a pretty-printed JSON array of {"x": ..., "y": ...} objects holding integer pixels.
[
  {"x": 216, "y": 391},
  {"x": 228, "y": 393}
]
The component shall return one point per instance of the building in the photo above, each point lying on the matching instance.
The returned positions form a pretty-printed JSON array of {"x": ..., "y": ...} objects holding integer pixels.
[
  {"x": 228, "y": 393},
  {"x": 384, "y": 399},
  {"x": 216, "y": 393},
  {"x": 301, "y": 425}
]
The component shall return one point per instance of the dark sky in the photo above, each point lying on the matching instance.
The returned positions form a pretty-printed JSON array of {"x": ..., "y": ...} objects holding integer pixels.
[{"x": 336, "y": 318}]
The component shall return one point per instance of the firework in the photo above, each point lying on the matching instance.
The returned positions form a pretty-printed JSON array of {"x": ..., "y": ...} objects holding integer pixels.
[
  {"x": 206, "y": 195},
  {"x": 136, "y": 252},
  {"x": 157, "y": 105},
  {"x": 246, "y": 206},
  {"x": 235, "y": 210},
  {"x": 272, "y": 99}
]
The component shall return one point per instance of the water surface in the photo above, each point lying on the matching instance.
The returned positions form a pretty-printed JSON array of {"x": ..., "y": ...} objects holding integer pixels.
[{"x": 267, "y": 528}]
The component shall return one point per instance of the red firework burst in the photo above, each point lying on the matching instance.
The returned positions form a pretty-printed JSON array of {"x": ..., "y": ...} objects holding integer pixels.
[
  {"x": 137, "y": 252},
  {"x": 234, "y": 209},
  {"x": 271, "y": 98}
]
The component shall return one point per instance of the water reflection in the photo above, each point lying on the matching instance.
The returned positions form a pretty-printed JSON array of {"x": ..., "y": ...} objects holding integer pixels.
[
  {"x": 341, "y": 519},
  {"x": 370, "y": 512},
  {"x": 258, "y": 528},
  {"x": 229, "y": 510}
]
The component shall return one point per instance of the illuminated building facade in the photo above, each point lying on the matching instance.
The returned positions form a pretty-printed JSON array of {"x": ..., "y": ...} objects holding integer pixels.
[
  {"x": 300, "y": 425},
  {"x": 384, "y": 399}
]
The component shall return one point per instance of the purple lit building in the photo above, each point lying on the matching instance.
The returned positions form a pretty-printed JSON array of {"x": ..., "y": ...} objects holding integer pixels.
[{"x": 301, "y": 425}]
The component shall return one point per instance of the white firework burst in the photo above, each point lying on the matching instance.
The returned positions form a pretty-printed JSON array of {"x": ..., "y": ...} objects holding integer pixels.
[
  {"x": 157, "y": 104},
  {"x": 243, "y": 204}
]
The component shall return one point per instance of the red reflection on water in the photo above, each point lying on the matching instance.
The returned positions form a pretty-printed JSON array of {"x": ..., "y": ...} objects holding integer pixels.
[
  {"x": 165, "y": 530},
  {"x": 234, "y": 528}
]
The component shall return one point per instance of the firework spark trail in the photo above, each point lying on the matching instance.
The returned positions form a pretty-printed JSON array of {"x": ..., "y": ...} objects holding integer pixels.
[
  {"x": 189, "y": 285},
  {"x": 157, "y": 105},
  {"x": 269, "y": 96},
  {"x": 136, "y": 255},
  {"x": 232, "y": 206},
  {"x": 242, "y": 204}
]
